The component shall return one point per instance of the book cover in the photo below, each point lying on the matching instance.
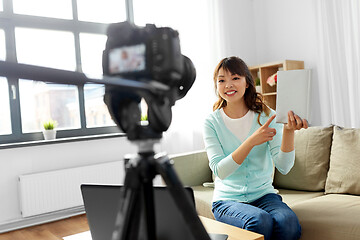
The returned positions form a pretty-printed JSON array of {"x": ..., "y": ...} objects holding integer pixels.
[{"x": 293, "y": 93}]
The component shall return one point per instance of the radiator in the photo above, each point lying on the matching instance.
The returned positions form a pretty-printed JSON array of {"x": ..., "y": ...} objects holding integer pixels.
[{"x": 57, "y": 190}]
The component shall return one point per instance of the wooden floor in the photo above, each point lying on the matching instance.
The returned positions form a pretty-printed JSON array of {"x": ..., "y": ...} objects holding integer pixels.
[{"x": 50, "y": 231}]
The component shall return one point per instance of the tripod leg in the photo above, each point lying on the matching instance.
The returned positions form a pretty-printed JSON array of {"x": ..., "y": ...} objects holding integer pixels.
[
  {"x": 149, "y": 210},
  {"x": 137, "y": 199},
  {"x": 147, "y": 174},
  {"x": 164, "y": 167},
  {"x": 129, "y": 210}
]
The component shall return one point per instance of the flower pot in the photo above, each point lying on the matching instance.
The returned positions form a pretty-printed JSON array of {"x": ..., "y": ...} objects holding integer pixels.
[
  {"x": 258, "y": 89},
  {"x": 49, "y": 134}
]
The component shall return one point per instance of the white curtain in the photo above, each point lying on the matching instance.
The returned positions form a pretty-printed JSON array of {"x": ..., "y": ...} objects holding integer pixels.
[
  {"x": 193, "y": 21},
  {"x": 339, "y": 61}
]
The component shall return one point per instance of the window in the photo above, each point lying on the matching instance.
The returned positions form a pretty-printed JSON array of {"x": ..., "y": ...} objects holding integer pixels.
[
  {"x": 46, "y": 48},
  {"x": 95, "y": 108},
  {"x": 71, "y": 35},
  {"x": 44, "y": 8},
  {"x": 105, "y": 11},
  {"x": 2, "y": 45},
  {"x": 5, "y": 122},
  {"x": 91, "y": 48},
  {"x": 53, "y": 34},
  {"x": 40, "y": 102}
]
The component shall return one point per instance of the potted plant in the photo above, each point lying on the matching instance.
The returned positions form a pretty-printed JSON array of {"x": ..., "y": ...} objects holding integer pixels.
[
  {"x": 49, "y": 131},
  {"x": 144, "y": 120}
]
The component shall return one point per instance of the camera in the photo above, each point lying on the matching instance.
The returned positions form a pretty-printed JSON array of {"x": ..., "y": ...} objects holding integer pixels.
[{"x": 147, "y": 53}]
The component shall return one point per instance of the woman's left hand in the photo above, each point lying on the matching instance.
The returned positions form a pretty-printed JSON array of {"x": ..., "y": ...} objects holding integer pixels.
[{"x": 295, "y": 122}]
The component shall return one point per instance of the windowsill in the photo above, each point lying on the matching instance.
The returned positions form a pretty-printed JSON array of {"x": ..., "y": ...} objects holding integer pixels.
[{"x": 61, "y": 140}]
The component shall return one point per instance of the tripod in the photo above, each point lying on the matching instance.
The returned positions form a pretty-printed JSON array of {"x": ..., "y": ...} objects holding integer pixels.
[{"x": 137, "y": 196}]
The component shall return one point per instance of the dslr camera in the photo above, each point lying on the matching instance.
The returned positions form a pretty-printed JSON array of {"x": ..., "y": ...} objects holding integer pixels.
[{"x": 147, "y": 53}]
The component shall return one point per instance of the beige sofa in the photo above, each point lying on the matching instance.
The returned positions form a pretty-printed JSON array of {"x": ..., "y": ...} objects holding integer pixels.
[{"x": 323, "y": 187}]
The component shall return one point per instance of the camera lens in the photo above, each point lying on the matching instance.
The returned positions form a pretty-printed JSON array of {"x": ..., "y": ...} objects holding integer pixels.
[{"x": 188, "y": 77}]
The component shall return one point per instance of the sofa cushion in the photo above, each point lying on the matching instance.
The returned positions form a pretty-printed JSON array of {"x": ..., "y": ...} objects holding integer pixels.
[
  {"x": 312, "y": 152},
  {"x": 192, "y": 168},
  {"x": 343, "y": 176},
  {"x": 333, "y": 216},
  {"x": 292, "y": 197},
  {"x": 203, "y": 200}
]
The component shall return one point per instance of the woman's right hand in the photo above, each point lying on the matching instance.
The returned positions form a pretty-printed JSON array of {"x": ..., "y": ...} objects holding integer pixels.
[{"x": 263, "y": 134}]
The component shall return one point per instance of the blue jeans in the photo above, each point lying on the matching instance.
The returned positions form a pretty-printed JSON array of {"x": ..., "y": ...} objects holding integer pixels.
[{"x": 268, "y": 215}]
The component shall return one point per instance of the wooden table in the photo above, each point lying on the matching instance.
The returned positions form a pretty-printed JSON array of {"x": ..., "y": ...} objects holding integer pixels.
[
  {"x": 234, "y": 233},
  {"x": 210, "y": 225},
  {"x": 77, "y": 228}
]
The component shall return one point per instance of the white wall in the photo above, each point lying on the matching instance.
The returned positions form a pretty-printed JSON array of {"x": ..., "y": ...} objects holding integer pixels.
[
  {"x": 26, "y": 160},
  {"x": 236, "y": 30},
  {"x": 285, "y": 29}
]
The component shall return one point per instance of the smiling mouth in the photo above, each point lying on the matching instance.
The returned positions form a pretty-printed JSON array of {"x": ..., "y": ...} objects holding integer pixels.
[{"x": 230, "y": 93}]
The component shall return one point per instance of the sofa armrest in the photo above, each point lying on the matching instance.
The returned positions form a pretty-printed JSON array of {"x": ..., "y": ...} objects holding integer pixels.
[{"x": 192, "y": 168}]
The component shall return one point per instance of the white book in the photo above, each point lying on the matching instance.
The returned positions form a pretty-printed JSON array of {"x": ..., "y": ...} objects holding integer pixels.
[{"x": 293, "y": 93}]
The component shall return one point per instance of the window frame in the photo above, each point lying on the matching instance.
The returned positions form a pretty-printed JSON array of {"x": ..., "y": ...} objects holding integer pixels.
[{"x": 8, "y": 22}]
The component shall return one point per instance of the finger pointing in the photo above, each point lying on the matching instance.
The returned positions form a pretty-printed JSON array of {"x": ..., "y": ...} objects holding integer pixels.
[{"x": 269, "y": 120}]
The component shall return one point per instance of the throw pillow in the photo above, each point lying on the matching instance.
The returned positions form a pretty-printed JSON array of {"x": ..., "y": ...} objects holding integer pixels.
[
  {"x": 344, "y": 169},
  {"x": 312, "y": 153}
]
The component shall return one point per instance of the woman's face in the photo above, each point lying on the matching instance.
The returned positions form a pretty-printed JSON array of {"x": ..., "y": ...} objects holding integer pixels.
[{"x": 231, "y": 87}]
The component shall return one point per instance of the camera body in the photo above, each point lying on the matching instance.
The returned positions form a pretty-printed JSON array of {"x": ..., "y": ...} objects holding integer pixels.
[{"x": 143, "y": 53}]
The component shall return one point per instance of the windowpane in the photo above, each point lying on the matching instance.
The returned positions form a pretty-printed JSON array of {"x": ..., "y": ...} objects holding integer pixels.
[
  {"x": 47, "y": 48},
  {"x": 40, "y": 102},
  {"x": 44, "y": 8},
  {"x": 1, "y": 5},
  {"x": 5, "y": 120},
  {"x": 102, "y": 11},
  {"x": 91, "y": 48},
  {"x": 97, "y": 114},
  {"x": 2, "y": 45}
]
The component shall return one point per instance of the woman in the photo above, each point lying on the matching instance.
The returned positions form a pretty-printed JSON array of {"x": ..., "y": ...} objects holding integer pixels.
[{"x": 243, "y": 143}]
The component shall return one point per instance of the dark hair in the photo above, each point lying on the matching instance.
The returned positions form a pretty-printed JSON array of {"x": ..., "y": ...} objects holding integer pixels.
[{"x": 253, "y": 100}]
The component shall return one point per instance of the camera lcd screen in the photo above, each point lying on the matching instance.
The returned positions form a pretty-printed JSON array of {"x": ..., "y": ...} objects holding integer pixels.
[{"x": 127, "y": 59}]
